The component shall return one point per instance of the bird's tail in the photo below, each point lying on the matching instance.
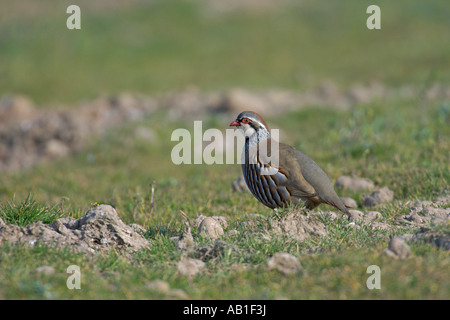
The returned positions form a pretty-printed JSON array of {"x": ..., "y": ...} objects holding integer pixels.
[{"x": 338, "y": 204}]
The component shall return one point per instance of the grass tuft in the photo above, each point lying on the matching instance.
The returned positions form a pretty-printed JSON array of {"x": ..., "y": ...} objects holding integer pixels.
[{"x": 29, "y": 211}]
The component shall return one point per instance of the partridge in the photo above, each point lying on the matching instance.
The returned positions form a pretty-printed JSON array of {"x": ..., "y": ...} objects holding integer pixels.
[{"x": 295, "y": 177}]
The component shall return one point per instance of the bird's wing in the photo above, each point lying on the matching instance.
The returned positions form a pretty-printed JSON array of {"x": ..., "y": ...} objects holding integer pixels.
[
  {"x": 317, "y": 178},
  {"x": 286, "y": 165},
  {"x": 305, "y": 179}
]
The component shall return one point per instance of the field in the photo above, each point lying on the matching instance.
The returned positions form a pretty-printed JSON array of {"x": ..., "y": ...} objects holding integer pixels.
[{"x": 379, "y": 109}]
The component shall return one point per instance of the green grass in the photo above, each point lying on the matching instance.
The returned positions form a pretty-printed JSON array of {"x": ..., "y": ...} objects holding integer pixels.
[
  {"x": 119, "y": 167},
  {"x": 333, "y": 273},
  {"x": 334, "y": 267},
  {"x": 398, "y": 142},
  {"x": 29, "y": 211}
]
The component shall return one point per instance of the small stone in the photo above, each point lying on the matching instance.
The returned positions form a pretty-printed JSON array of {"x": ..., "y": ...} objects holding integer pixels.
[
  {"x": 220, "y": 219},
  {"x": 377, "y": 197},
  {"x": 354, "y": 183},
  {"x": 349, "y": 202},
  {"x": 210, "y": 228},
  {"x": 398, "y": 248},
  {"x": 190, "y": 267},
  {"x": 355, "y": 215},
  {"x": 158, "y": 285},
  {"x": 285, "y": 263},
  {"x": 372, "y": 215}
]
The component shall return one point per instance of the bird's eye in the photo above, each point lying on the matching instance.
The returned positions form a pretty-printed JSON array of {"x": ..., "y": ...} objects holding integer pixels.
[{"x": 246, "y": 120}]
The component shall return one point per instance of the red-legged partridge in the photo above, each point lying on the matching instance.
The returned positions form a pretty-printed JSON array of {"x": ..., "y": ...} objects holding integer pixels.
[{"x": 294, "y": 177}]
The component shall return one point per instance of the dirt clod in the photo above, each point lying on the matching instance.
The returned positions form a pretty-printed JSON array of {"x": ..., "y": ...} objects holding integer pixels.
[
  {"x": 398, "y": 248},
  {"x": 378, "y": 197},
  {"x": 285, "y": 263},
  {"x": 300, "y": 225},
  {"x": 354, "y": 183},
  {"x": 355, "y": 215},
  {"x": 190, "y": 267},
  {"x": 371, "y": 216},
  {"x": 349, "y": 202},
  {"x": 99, "y": 230},
  {"x": 210, "y": 228}
]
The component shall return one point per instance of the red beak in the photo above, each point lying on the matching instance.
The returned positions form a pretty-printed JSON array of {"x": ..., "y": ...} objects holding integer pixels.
[{"x": 235, "y": 123}]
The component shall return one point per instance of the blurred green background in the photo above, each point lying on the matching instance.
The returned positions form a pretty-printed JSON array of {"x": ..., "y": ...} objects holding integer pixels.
[{"x": 157, "y": 46}]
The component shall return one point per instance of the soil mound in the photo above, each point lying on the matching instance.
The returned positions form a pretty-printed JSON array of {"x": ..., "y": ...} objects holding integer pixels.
[{"x": 99, "y": 230}]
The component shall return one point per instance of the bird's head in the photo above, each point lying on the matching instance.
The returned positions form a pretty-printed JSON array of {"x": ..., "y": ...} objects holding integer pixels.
[{"x": 251, "y": 123}]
